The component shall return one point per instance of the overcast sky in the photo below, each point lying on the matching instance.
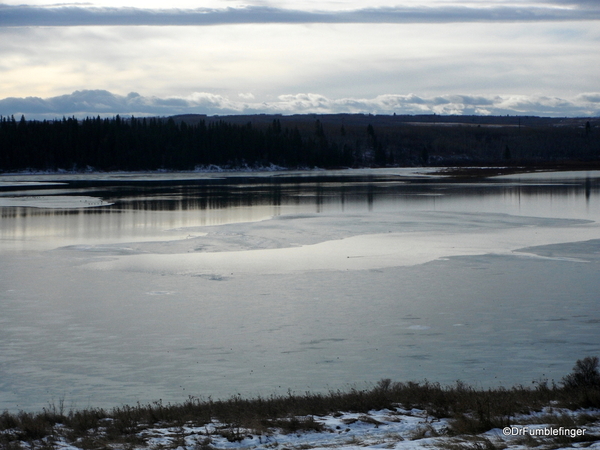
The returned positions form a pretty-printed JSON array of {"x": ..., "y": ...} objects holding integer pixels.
[{"x": 108, "y": 57}]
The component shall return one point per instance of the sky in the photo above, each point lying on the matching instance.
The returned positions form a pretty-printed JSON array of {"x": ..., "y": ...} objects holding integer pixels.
[{"x": 221, "y": 57}]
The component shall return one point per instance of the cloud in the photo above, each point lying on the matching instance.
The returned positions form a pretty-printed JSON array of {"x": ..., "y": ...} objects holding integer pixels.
[
  {"x": 100, "y": 102},
  {"x": 28, "y": 15},
  {"x": 591, "y": 98}
]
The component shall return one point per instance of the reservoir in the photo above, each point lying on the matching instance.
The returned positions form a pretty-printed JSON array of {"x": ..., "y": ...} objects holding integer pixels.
[{"x": 120, "y": 288}]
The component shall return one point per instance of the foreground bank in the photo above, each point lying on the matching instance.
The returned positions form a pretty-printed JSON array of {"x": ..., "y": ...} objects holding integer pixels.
[{"x": 389, "y": 415}]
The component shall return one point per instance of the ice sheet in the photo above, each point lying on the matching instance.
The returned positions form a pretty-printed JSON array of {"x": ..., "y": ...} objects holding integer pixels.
[
  {"x": 14, "y": 183},
  {"x": 53, "y": 202},
  {"x": 552, "y": 176},
  {"x": 346, "y": 244}
]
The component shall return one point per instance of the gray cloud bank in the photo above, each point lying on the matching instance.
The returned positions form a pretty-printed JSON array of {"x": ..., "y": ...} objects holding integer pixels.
[
  {"x": 104, "y": 103},
  {"x": 26, "y": 15}
]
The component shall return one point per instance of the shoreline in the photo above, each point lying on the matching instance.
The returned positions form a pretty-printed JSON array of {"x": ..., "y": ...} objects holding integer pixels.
[
  {"x": 391, "y": 415},
  {"x": 463, "y": 170},
  {"x": 513, "y": 169}
]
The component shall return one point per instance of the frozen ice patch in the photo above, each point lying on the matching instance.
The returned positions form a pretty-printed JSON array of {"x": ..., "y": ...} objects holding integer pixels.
[
  {"x": 362, "y": 252},
  {"x": 54, "y": 202},
  {"x": 551, "y": 258},
  {"x": 29, "y": 183}
]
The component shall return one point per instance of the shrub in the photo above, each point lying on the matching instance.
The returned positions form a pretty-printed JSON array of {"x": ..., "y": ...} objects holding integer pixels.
[{"x": 585, "y": 374}]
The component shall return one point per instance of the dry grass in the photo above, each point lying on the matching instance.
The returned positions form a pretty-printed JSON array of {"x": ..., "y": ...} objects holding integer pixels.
[
  {"x": 472, "y": 443},
  {"x": 471, "y": 411}
]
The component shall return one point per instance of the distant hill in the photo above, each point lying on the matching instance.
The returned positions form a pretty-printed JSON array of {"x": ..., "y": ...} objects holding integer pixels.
[{"x": 389, "y": 120}]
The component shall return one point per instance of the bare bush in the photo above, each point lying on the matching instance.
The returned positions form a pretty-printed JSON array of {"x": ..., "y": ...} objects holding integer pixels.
[{"x": 585, "y": 374}]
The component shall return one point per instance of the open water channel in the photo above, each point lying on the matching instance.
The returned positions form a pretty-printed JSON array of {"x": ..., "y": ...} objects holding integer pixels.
[{"x": 119, "y": 288}]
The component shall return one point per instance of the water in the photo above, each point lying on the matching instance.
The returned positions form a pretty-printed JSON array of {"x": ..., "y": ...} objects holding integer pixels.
[{"x": 213, "y": 285}]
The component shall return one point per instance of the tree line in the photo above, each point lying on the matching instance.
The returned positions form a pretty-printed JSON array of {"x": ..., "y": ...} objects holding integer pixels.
[
  {"x": 154, "y": 143},
  {"x": 163, "y": 143}
]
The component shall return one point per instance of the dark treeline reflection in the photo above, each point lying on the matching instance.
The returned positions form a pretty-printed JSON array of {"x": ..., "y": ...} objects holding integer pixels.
[
  {"x": 318, "y": 191},
  {"x": 146, "y": 210}
]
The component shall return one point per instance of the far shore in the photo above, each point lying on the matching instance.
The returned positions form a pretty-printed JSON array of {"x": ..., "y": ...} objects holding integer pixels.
[{"x": 464, "y": 170}]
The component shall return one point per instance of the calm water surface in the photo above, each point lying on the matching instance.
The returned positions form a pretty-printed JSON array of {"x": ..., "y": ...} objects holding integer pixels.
[{"x": 212, "y": 285}]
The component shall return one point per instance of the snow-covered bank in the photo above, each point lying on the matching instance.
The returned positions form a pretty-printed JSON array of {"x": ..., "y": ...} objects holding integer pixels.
[
  {"x": 396, "y": 428},
  {"x": 212, "y": 171},
  {"x": 208, "y": 169},
  {"x": 375, "y": 429}
]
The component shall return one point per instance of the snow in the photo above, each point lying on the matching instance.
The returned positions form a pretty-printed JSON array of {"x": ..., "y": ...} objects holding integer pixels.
[{"x": 396, "y": 428}]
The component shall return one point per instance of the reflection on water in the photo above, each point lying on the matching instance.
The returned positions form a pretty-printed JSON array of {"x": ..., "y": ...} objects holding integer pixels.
[{"x": 146, "y": 210}]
